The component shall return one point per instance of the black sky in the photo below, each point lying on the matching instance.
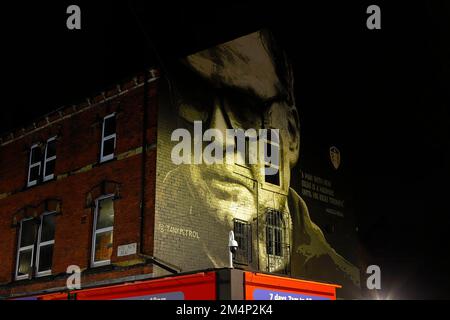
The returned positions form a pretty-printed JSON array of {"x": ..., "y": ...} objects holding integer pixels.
[{"x": 384, "y": 93}]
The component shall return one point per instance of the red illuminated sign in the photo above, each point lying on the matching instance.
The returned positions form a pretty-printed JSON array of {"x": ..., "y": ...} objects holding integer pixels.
[
  {"x": 268, "y": 287},
  {"x": 199, "y": 286}
]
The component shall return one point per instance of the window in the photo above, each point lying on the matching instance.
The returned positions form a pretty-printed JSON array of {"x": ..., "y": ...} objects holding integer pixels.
[
  {"x": 242, "y": 234},
  {"x": 271, "y": 145},
  {"x": 50, "y": 159},
  {"x": 34, "y": 170},
  {"x": 40, "y": 236},
  {"x": 25, "y": 252},
  {"x": 46, "y": 242},
  {"x": 108, "y": 138},
  {"x": 39, "y": 165},
  {"x": 102, "y": 239},
  {"x": 246, "y": 155},
  {"x": 274, "y": 233}
]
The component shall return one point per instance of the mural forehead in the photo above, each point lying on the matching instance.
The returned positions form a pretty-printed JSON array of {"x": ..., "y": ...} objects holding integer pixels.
[{"x": 245, "y": 63}]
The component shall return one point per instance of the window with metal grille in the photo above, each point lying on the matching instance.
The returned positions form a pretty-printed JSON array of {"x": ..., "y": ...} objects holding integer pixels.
[
  {"x": 242, "y": 235},
  {"x": 274, "y": 233}
]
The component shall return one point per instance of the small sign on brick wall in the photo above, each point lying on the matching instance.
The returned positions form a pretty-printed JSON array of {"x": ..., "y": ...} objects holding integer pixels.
[{"x": 127, "y": 250}]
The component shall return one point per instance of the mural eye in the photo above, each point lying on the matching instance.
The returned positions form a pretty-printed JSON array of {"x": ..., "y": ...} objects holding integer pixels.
[
  {"x": 243, "y": 110},
  {"x": 192, "y": 112}
]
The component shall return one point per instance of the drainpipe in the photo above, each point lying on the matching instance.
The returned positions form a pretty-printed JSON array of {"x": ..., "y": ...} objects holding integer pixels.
[{"x": 143, "y": 162}]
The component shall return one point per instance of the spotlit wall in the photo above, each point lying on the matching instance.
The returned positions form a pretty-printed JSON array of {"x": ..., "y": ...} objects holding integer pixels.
[{"x": 295, "y": 222}]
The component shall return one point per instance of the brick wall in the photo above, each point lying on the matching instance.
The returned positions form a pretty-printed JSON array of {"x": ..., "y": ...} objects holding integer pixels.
[
  {"x": 190, "y": 231},
  {"x": 79, "y": 178}
]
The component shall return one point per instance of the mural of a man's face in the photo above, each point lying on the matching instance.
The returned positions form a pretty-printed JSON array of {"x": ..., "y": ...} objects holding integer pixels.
[{"x": 243, "y": 84}]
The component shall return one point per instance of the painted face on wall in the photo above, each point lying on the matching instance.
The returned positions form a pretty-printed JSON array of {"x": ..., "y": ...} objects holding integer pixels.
[{"x": 242, "y": 84}]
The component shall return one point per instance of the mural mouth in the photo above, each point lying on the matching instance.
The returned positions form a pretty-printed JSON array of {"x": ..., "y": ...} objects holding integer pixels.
[
  {"x": 229, "y": 191},
  {"x": 225, "y": 184}
]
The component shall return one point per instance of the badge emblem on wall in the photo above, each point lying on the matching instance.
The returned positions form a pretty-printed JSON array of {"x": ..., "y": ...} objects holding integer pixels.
[{"x": 335, "y": 156}]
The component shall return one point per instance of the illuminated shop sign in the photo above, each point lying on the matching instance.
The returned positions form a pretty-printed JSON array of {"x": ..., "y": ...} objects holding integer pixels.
[
  {"x": 161, "y": 296},
  {"x": 280, "y": 295}
]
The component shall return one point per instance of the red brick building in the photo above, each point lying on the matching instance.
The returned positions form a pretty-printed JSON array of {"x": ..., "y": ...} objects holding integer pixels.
[
  {"x": 95, "y": 185},
  {"x": 72, "y": 192}
]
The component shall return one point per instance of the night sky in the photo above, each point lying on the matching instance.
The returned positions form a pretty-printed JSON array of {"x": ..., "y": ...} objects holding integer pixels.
[{"x": 385, "y": 94}]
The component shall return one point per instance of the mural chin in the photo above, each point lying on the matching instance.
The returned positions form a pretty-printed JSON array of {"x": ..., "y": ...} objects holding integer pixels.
[{"x": 218, "y": 189}]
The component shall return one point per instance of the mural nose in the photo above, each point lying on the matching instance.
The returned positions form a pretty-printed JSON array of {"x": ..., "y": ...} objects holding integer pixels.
[{"x": 219, "y": 122}]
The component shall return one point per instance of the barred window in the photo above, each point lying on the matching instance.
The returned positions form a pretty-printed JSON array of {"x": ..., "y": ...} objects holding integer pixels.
[
  {"x": 242, "y": 234},
  {"x": 274, "y": 233}
]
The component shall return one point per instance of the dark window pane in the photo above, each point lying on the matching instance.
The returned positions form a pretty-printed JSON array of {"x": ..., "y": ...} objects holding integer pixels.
[
  {"x": 48, "y": 228},
  {"x": 28, "y": 234},
  {"x": 274, "y": 233},
  {"x": 267, "y": 152},
  {"x": 103, "y": 246},
  {"x": 269, "y": 135},
  {"x": 24, "y": 262},
  {"x": 51, "y": 149},
  {"x": 273, "y": 136},
  {"x": 242, "y": 235},
  {"x": 105, "y": 216},
  {"x": 108, "y": 147},
  {"x": 278, "y": 242},
  {"x": 35, "y": 155},
  {"x": 45, "y": 258},
  {"x": 269, "y": 240},
  {"x": 110, "y": 126},
  {"x": 34, "y": 173},
  {"x": 270, "y": 150},
  {"x": 272, "y": 178},
  {"x": 50, "y": 168}
]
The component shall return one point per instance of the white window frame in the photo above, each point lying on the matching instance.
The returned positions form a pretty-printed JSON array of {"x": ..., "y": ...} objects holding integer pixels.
[
  {"x": 31, "y": 166},
  {"x": 19, "y": 250},
  {"x": 104, "y": 139},
  {"x": 95, "y": 232},
  {"x": 43, "y": 244},
  {"x": 51, "y": 176}
]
